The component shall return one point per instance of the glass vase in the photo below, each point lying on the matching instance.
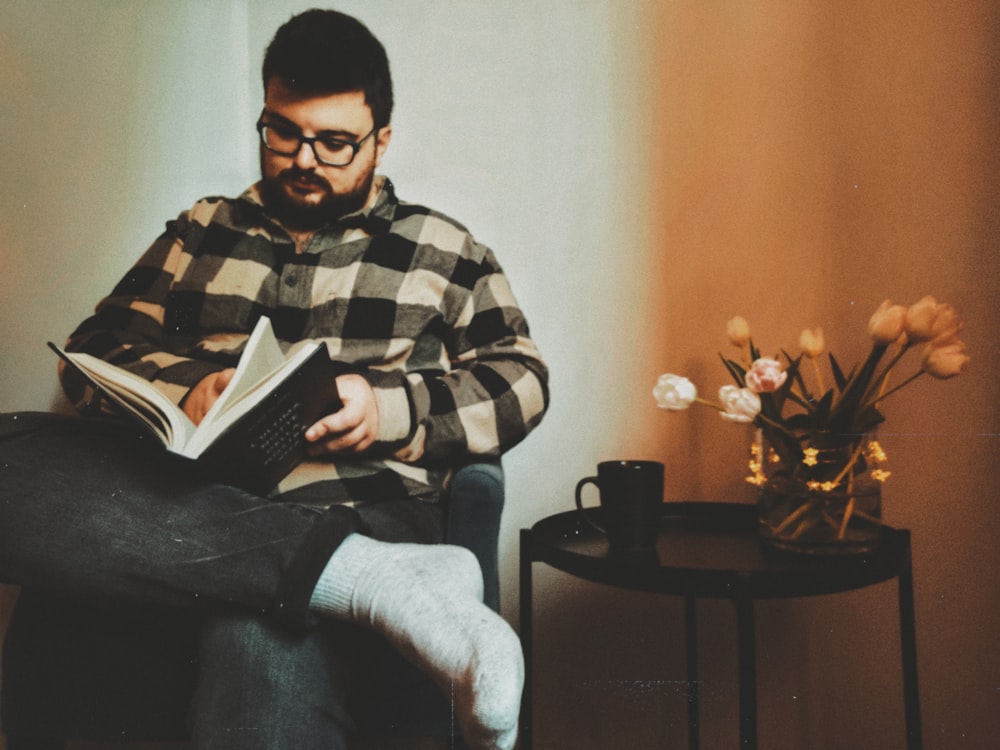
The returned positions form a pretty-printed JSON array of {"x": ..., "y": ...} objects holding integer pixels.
[{"x": 820, "y": 493}]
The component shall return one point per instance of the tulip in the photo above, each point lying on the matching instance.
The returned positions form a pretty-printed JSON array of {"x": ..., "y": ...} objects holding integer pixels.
[
  {"x": 765, "y": 376},
  {"x": 945, "y": 361},
  {"x": 812, "y": 343},
  {"x": 741, "y": 404},
  {"x": 674, "y": 392},
  {"x": 887, "y": 323},
  {"x": 929, "y": 319},
  {"x": 738, "y": 331}
]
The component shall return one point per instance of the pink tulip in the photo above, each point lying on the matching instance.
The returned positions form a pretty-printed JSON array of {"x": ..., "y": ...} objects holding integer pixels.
[{"x": 765, "y": 376}]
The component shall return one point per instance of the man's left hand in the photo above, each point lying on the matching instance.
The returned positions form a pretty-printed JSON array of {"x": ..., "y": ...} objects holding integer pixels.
[{"x": 352, "y": 429}]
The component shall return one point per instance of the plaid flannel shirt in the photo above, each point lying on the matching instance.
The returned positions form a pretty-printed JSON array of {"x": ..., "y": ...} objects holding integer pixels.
[{"x": 402, "y": 292}]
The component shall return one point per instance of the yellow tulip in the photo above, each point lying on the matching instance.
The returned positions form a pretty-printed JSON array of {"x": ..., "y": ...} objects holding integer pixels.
[
  {"x": 812, "y": 343},
  {"x": 887, "y": 323},
  {"x": 738, "y": 331},
  {"x": 945, "y": 361},
  {"x": 929, "y": 319}
]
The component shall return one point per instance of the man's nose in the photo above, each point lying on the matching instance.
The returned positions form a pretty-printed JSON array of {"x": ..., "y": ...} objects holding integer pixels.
[{"x": 305, "y": 157}]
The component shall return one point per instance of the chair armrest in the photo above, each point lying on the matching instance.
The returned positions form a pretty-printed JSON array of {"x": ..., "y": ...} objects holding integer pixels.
[{"x": 475, "y": 506}]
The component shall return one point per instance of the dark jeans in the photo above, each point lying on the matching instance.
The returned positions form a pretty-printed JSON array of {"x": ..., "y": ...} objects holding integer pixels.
[{"x": 91, "y": 511}]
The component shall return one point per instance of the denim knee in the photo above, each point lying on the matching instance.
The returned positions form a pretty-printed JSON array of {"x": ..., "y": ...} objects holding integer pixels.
[{"x": 262, "y": 687}]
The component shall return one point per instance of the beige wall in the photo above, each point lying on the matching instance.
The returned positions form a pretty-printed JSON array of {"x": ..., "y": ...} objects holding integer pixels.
[{"x": 645, "y": 170}]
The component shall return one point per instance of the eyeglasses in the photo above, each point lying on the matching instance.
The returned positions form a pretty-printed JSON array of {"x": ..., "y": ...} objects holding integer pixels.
[{"x": 287, "y": 140}]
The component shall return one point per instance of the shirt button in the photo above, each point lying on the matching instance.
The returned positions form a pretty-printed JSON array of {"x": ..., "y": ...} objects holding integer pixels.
[{"x": 291, "y": 279}]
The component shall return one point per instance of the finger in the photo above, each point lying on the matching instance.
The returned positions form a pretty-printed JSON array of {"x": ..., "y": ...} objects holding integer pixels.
[
  {"x": 321, "y": 429},
  {"x": 345, "y": 420},
  {"x": 352, "y": 441},
  {"x": 344, "y": 441},
  {"x": 224, "y": 378}
]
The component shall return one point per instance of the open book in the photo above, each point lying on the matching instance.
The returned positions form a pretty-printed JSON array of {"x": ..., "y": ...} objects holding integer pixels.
[{"x": 253, "y": 435}]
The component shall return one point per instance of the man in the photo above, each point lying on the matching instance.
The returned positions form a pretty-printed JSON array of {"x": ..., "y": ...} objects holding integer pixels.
[{"x": 443, "y": 371}]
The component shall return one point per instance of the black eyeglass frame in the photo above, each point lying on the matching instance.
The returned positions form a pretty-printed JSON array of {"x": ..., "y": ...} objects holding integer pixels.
[{"x": 311, "y": 141}]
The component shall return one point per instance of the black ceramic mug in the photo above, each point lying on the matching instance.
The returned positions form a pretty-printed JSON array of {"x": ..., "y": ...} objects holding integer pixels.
[{"x": 631, "y": 494}]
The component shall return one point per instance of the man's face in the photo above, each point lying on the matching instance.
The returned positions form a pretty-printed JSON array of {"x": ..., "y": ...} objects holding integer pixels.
[{"x": 298, "y": 189}]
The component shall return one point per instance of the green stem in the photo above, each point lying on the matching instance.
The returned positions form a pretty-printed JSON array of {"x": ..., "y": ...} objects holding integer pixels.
[
  {"x": 883, "y": 396},
  {"x": 878, "y": 384},
  {"x": 819, "y": 376},
  {"x": 867, "y": 518},
  {"x": 848, "y": 512},
  {"x": 854, "y": 391},
  {"x": 792, "y": 518},
  {"x": 712, "y": 404},
  {"x": 850, "y": 464}
]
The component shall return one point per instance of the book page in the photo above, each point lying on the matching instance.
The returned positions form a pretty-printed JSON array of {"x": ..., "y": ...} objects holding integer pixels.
[
  {"x": 207, "y": 431},
  {"x": 138, "y": 396},
  {"x": 261, "y": 356}
]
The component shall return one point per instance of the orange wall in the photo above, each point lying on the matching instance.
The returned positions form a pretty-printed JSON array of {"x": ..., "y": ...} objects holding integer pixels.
[
  {"x": 812, "y": 159},
  {"x": 807, "y": 160}
]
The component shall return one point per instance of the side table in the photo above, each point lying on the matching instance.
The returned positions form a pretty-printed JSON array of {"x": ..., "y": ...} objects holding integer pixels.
[{"x": 711, "y": 550}]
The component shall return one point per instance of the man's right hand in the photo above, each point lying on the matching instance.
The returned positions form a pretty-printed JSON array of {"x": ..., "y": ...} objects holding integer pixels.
[{"x": 203, "y": 395}]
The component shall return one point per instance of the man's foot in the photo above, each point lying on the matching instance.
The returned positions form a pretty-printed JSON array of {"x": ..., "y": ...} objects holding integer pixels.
[{"x": 426, "y": 600}]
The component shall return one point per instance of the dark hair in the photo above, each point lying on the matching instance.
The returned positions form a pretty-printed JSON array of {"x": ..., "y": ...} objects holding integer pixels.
[{"x": 326, "y": 52}]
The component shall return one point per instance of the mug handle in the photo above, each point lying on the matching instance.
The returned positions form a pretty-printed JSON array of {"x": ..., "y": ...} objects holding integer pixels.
[{"x": 579, "y": 502}]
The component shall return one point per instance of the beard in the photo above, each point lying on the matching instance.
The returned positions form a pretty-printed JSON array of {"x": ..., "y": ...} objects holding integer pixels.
[{"x": 295, "y": 212}]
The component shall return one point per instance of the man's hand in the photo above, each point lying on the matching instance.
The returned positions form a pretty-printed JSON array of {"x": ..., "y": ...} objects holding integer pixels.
[
  {"x": 353, "y": 428},
  {"x": 203, "y": 395}
]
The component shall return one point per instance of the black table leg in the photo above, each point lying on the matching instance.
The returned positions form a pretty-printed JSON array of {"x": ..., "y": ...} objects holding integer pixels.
[
  {"x": 527, "y": 559},
  {"x": 908, "y": 642},
  {"x": 747, "y": 671},
  {"x": 691, "y": 641}
]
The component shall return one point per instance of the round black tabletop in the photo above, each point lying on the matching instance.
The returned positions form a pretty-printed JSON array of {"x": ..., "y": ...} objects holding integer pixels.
[{"x": 708, "y": 549}]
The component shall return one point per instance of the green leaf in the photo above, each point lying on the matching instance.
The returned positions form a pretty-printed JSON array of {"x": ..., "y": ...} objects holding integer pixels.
[
  {"x": 737, "y": 372},
  {"x": 809, "y": 405},
  {"x": 769, "y": 408},
  {"x": 843, "y": 413},
  {"x": 821, "y": 417},
  {"x": 783, "y": 392},
  {"x": 868, "y": 419},
  {"x": 838, "y": 374},
  {"x": 795, "y": 374},
  {"x": 799, "y": 422},
  {"x": 785, "y": 442}
]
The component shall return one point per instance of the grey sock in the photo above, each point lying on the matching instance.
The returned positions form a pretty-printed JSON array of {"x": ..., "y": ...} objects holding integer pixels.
[{"x": 426, "y": 600}]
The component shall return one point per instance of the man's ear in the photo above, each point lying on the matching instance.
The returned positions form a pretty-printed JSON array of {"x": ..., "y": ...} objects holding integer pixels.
[{"x": 382, "y": 144}]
